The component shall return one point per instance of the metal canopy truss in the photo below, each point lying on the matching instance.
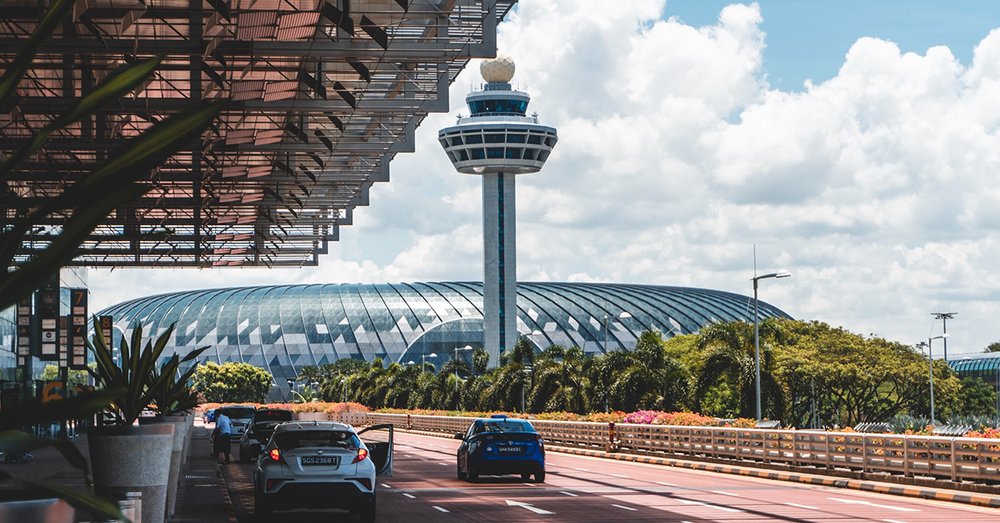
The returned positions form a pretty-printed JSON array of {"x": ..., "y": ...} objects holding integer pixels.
[{"x": 323, "y": 93}]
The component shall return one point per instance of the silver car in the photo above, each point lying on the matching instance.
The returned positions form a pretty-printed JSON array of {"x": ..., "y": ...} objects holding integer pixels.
[
  {"x": 322, "y": 464},
  {"x": 239, "y": 415}
]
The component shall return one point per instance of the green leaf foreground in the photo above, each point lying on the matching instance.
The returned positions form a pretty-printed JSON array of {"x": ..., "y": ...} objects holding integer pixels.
[
  {"x": 79, "y": 500},
  {"x": 22, "y": 62}
]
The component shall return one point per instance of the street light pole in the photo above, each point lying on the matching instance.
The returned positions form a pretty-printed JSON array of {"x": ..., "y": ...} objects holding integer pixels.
[
  {"x": 423, "y": 361},
  {"x": 930, "y": 359},
  {"x": 756, "y": 333},
  {"x": 944, "y": 317}
]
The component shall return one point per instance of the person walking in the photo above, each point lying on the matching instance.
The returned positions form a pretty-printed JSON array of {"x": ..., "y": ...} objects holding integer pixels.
[{"x": 224, "y": 432}]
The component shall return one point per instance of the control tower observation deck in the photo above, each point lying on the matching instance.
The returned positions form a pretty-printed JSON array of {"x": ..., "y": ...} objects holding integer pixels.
[{"x": 498, "y": 141}]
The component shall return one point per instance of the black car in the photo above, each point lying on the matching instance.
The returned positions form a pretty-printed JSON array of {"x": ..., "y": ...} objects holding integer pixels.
[
  {"x": 501, "y": 445},
  {"x": 259, "y": 432}
]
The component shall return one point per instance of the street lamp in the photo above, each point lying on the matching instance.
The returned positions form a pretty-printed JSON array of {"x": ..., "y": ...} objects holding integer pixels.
[
  {"x": 623, "y": 316},
  {"x": 467, "y": 347},
  {"x": 756, "y": 332},
  {"x": 423, "y": 361},
  {"x": 930, "y": 360},
  {"x": 944, "y": 317}
]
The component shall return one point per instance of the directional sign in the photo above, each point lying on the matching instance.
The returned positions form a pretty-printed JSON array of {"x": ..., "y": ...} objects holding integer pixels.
[
  {"x": 77, "y": 329},
  {"x": 24, "y": 331},
  {"x": 528, "y": 506},
  {"x": 47, "y": 309}
]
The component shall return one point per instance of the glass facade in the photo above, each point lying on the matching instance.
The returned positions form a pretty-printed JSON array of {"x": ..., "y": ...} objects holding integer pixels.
[{"x": 284, "y": 328}]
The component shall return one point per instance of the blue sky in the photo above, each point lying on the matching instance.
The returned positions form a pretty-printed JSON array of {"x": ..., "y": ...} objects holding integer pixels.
[{"x": 807, "y": 39}]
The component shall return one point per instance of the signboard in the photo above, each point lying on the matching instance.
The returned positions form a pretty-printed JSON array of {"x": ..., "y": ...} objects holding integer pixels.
[
  {"x": 106, "y": 328},
  {"x": 24, "y": 331},
  {"x": 63, "y": 342},
  {"x": 77, "y": 329},
  {"x": 47, "y": 309}
]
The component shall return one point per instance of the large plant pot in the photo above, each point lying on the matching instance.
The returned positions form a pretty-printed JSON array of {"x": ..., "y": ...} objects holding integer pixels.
[
  {"x": 312, "y": 416},
  {"x": 176, "y": 451},
  {"x": 134, "y": 458}
]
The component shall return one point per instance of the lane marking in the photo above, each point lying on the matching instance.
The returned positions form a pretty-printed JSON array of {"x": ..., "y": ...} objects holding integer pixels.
[
  {"x": 624, "y": 507},
  {"x": 581, "y": 469},
  {"x": 621, "y": 476},
  {"x": 444, "y": 464},
  {"x": 796, "y": 505},
  {"x": 527, "y": 506},
  {"x": 570, "y": 494},
  {"x": 441, "y": 509},
  {"x": 666, "y": 484},
  {"x": 870, "y": 504},
  {"x": 708, "y": 505},
  {"x": 411, "y": 496},
  {"x": 386, "y": 485},
  {"x": 893, "y": 521},
  {"x": 724, "y": 493}
]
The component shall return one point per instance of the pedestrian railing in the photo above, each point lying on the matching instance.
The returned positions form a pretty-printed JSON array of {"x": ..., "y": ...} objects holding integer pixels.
[{"x": 947, "y": 458}]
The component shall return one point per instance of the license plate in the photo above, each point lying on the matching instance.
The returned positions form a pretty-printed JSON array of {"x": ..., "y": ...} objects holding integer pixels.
[
  {"x": 319, "y": 460},
  {"x": 509, "y": 450}
]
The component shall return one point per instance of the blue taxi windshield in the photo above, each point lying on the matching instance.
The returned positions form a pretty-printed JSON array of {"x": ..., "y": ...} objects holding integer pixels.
[{"x": 504, "y": 426}]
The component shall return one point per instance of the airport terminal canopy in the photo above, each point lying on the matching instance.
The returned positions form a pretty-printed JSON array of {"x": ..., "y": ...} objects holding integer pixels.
[{"x": 323, "y": 94}]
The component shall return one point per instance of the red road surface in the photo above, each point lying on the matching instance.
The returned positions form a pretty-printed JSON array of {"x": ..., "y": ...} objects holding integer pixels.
[{"x": 424, "y": 488}]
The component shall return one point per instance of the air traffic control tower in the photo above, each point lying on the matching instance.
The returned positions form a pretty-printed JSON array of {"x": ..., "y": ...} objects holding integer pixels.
[{"x": 498, "y": 141}]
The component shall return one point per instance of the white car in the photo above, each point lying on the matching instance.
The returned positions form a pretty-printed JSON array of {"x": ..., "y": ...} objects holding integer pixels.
[{"x": 322, "y": 464}]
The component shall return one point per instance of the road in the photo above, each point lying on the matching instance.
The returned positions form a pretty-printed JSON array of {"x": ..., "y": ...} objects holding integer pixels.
[{"x": 577, "y": 489}]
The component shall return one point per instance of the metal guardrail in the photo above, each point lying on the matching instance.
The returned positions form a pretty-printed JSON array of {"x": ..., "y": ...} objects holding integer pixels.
[{"x": 943, "y": 458}]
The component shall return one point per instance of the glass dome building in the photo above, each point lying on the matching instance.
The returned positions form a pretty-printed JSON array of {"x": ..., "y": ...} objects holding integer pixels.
[{"x": 284, "y": 328}]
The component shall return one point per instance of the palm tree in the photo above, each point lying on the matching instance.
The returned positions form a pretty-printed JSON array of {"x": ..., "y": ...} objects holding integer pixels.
[
  {"x": 729, "y": 350},
  {"x": 645, "y": 378},
  {"x": 560, "y": 381}
]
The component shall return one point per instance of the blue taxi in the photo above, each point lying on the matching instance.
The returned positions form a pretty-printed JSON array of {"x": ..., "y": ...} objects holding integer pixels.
[{"x": 501, "y": 445}]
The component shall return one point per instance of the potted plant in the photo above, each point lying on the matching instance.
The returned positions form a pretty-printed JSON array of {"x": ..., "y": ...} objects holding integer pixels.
[
  {"x": 126, "y": 456},
  {"x": 173, "y": 401},
  {"x": 14, "y": 440}
]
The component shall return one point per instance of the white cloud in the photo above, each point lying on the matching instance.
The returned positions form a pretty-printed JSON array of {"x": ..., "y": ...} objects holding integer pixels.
[{"x": 875, "y": 188}]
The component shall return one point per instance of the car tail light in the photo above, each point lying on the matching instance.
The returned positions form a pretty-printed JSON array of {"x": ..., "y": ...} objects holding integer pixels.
[
  {"x": 275, "y": 455},
  {"x": 362, "y": 454}
]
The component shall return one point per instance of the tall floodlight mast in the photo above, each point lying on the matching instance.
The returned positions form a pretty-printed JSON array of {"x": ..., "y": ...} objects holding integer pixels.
[{"x": 498, "y": 141}]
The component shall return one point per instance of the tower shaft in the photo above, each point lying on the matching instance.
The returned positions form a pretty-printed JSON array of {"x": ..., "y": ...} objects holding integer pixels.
[{"x": 499, "y": 264}]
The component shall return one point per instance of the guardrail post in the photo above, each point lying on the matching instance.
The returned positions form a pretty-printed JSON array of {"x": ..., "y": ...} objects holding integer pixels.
[
  {"x": 864, "y": 454},
  {"x": 612, "y": 444},
  {"x": 409, "y": 423},
  {"x": 954, "y": 463},
  {"x": 826, "y": 454},
  {"x": 906, "y": 457}
]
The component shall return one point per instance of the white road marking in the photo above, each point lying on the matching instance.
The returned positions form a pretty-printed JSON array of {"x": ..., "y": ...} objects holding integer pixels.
[
  {"x": 624, "y": 507},
  {"x": 724, "y": 493},
  {"x": 581, "y": 469},
  {"x": 666, "y": 484},
  {"x": 386, "y": 485},
  {"x": 444, "y": 464},
  {"x": 893, "y": 521},
  {"x": 708, "y": 505},
  {"x": 622, "y": 476},
  {"x": 527, "y": 506},
  {"x": 570, "y": 494},
  {"x": 411, "y": 496},
  {"x": 870, "y": 504},
  {"x": 807, "y": 507},
  {"x": 441, "y": 509}
]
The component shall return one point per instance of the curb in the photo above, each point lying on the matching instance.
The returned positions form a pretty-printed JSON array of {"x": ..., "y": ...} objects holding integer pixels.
[{"x": 810, "y": 479}]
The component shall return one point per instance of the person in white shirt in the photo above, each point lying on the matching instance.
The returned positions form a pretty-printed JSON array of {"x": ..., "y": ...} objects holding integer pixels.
[{"x": 223, "y": 435}]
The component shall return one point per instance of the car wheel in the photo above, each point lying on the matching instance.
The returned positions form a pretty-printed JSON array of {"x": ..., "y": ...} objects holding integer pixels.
[
  {"x": 460, "y": 474},
  {"x": 473, "y": 475},
  {"x": 367, "y": 511},
  {"x": 540, "y": 477},
  {"x": 525, "y": 476}
]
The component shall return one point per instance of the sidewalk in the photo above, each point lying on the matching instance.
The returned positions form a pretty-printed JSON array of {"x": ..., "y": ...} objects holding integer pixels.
[{"x": 200, "y": 498}]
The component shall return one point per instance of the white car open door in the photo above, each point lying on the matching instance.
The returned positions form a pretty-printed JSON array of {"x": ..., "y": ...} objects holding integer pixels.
[{"x": 378, "y": 439}]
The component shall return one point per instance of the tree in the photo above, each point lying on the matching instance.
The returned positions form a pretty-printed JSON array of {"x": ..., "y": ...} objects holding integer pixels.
[
  {"x": 560, "y": 381},
  {"x": 232, "y": 382},
  {"x": 75, "y": 377},
  {"x": 977, "y": 398},
  {"x": 729, "y": 355},
  {"x": 993, "y": 347},
  {"x": 855, "y": 379},
  {"x": 644, "y": 378}
]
